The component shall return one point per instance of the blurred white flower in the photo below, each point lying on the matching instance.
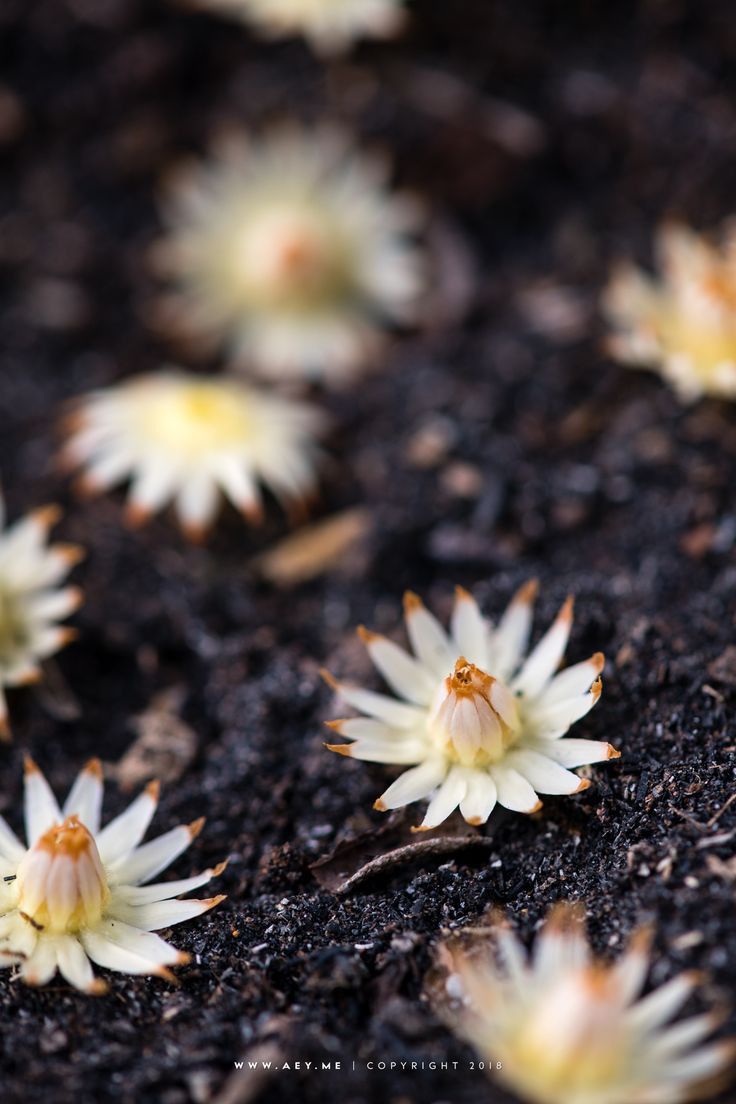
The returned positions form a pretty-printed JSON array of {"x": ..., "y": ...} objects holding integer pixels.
[
  {"x": 682, "y": 324},
  {"x": 76, "y": 892},
  {"x": 567, "y": 1029},
  {"x": 292, "y": 251},
  {"x": 31, "y": 600},
  {"x": 481, "y": 722},
  {"x": 189, "y": 438},
  {"x": 330, "y": 26}
]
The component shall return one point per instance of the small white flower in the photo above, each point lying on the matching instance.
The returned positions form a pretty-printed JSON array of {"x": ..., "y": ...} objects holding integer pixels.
[
  {"x": 76, "y": 893},
  {"x": 567, "y": 1029},
  {"x": 189, "y": 438},
  {"x": 482, "y": 723},
  {"x": 31, "y": 600},
  {"x": 683, "y": 324},
  {"x": 292, "y": 251},
  {"x": 330, "y": 26}
]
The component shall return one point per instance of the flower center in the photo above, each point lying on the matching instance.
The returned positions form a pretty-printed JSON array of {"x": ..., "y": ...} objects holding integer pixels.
[
  {"x": 568, "y": 1038},
  {"x": 290, "y": 260},
  {"x": 61, "y": 883},
  {"x": 475, "y": 717},
  {"x": 193, "y": 418},
  {"x": 13, "y": 627}
]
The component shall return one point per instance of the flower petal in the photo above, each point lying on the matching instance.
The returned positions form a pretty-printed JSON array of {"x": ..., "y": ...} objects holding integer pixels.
[
  {"x": 413, "y": 785},
  {"x": 545, "y": 658},
  {"x": 514, "y": 792},
  {"x": 124, "y": 833},
  {"x": 153, "y": 857},
  {"x": 510, "y": 639},
  {"x": 428, "y": 639},
  {"x": 469, "y": 629},
  {"x": 40, "y": 807},
  {"x": 446, "y": 800},
  {"x": 406, "y": 677},
  {"x": 480, "y": 797},
  {"x": 85, "y": 796},
  {"x": 544, "y": 774}
]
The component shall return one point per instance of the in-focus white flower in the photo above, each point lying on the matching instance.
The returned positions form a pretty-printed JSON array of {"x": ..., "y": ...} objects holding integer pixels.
[
  {"x": 481, "y": 722},
  {"x": 76, "y": 893},
  {"x": 31, "y": 600},
  {"x": 292, "y": 251},
  {"x": 567, "y": 1029},
  {"x": 330, "y": 26},
  {"x": 191, "y": 438},
  {"x": 682, "y": 324}
]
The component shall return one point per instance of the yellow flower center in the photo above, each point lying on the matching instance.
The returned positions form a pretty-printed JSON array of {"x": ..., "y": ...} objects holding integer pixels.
[
  {"x": 13, "y": 626},
  {"x": 61, "y": 883},
  {"x": 569, "y": 1041},
  {"x": 475, "y": 717},
  {"x": 194, "y": 417}
]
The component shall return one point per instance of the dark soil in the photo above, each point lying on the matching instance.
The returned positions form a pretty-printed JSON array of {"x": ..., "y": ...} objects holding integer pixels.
[{"x": 554, "y": 462}]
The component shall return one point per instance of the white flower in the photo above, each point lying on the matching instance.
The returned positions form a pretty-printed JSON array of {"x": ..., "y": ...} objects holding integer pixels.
[
  {"x": 189, "y": 438},
  {"x": 31, "y": 601},
  {"x": 683, "y": 324},
  {"x": 329, "y": 25},
  {"x": 292, "y": 250},
  {"x": 567, "y": 1029},
  {"x": 76, "y": 892},
  {"x": 481, "y": 722}
]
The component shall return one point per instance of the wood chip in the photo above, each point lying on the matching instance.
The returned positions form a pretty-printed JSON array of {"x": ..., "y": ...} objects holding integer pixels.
[
  {"x": 315, "y": 549},
  {"x": 165, "y": 745}
]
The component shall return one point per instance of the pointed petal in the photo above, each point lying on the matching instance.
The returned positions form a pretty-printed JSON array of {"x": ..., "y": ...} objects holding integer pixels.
[
  {"x": 40, "y": 807},
  {"x": 413, "y": 785},
  {"x": 661, "y": 1004},
  {"x": 509, "y": 641},
  {"x": 40, "y": 966},
  {"x": 446, "y": 800},
  {"x": 480, "y": 797},
  {"x": 406, "y": 677},
  {"x": 142, "y": 943},
  {"x": 75, "y": 967},
  {"x": 394, "y": 713},
  {"x": 573, "y": 681},
  {"x": 469, "y": 629},
  {"x": 85, "y": 796},
  {"x": 121, "y": 835},
  {"x": 544, "y": 774},
  {"x": 114, "y": 957},
  {"x": 428, "y": 639},
  {"x": 153, "y": 857},
  {"x": 164, "y": 914},
  {"x": 163, "y": 891},
  {"x": 544, "y": 659},
  {"x": 514, "y": 792},
  {"x": 571, "y": 752},
  {"x": 555, "y": 720}
]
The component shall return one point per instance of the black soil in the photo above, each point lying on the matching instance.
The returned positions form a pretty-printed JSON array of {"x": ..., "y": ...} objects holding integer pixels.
[{"x": 490, "y": 448}]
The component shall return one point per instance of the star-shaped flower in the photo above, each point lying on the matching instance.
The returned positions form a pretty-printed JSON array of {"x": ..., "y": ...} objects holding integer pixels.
[
  {"x": 559, "y": 1027},
  {"x": 478, "y": 719},
  {"x": 77, "y": 892},
  {"x": 31, "y": 600},
  {"x": 682, "y": 324},
  {"x": 291, "y": 250},
  {"x": 190, "y": 438}
]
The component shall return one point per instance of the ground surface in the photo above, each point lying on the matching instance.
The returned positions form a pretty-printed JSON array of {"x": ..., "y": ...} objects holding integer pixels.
[{"x": 544, "y": 459}]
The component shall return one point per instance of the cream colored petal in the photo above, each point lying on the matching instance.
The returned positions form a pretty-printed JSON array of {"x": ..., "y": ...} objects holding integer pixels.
[
  {"x": 413, "y": 784},
  {"x": 428, "y": 639},
  {"x": 544, "y": 659},
  {"x": 469, "y": 629},
  {"x": 163, "y": 914},
  {"x": 509, "y": 641},
  {"x": 446, "y": 800},
  {"x": 40, "y": 807},
  {"x": 480, "y": 797},
  {"x": 513, "y": 790},
  {"x": 121, "y": 835},
  {"x": 406, "y": 677},
  {"x": 544, "y": 775},
  {"x": 153, "y": 857},
  {"x": 85, "y": 797}
]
